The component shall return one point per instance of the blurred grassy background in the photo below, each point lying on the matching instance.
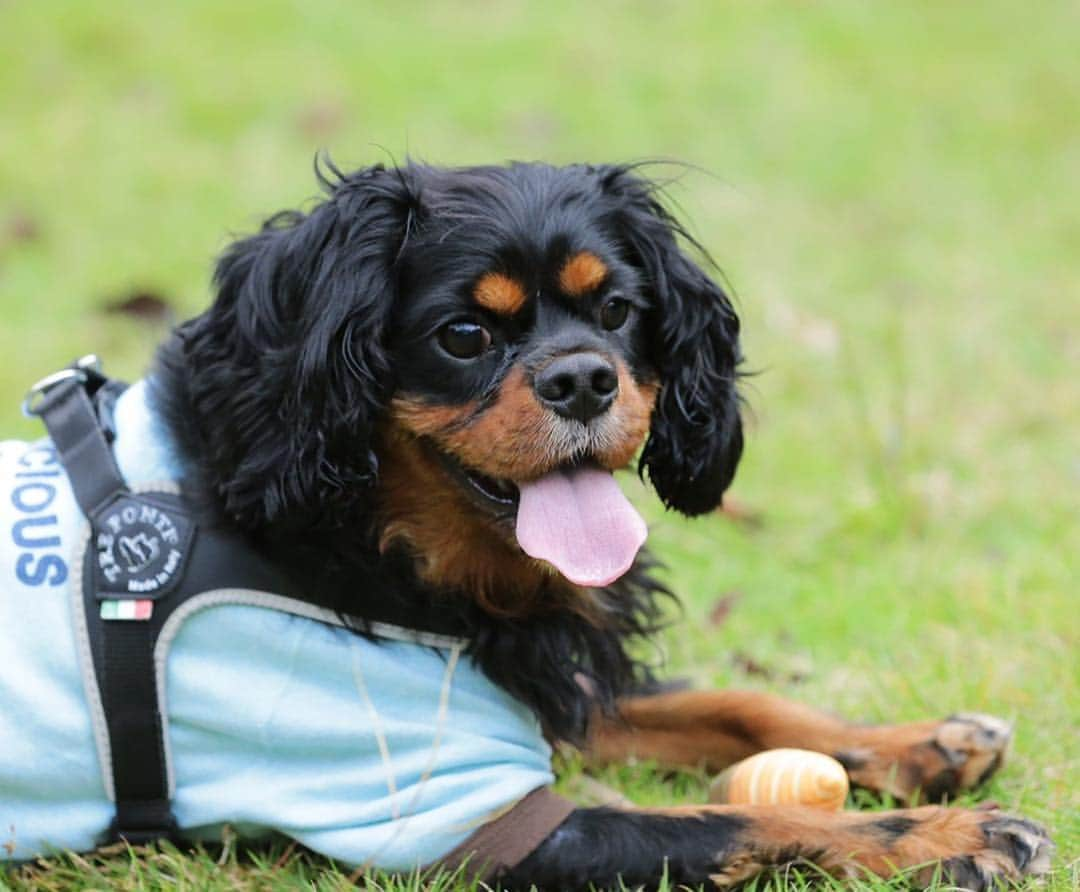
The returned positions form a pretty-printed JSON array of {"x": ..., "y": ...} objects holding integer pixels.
[{"x": 891, "y": 189}]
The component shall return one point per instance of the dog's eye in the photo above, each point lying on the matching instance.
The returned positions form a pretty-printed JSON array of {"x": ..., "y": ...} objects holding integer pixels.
[
  {"x": 465, "y": 340},
  {"x": 613, "y": 314}
]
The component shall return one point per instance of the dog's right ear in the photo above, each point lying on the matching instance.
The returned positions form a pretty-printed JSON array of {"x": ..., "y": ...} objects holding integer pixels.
[{"x": 286, "y": 374}]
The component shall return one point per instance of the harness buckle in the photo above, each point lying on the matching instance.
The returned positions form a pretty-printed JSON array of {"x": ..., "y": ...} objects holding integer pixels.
[{"x": 79, "y": 371}]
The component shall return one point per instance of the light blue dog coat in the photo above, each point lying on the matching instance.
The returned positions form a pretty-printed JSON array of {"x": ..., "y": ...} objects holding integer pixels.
[{"x": 386, "y": 754}]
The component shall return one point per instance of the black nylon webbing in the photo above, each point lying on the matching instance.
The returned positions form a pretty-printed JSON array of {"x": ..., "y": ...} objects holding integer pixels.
[
  {"x": 81, "y": 445},
  {"x": 129, "y": 697},
  {"x": 123, "y": 651}
]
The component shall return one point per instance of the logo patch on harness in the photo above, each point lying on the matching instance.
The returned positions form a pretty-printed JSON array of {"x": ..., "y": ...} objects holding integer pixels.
[{"x": 142, "y": 547}]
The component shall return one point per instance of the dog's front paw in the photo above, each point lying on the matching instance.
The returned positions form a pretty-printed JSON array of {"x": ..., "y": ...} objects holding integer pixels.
[
  {"x": 969, "y": 849},
  {"x": 1013, "y": 849},
  {"x": 929, "y": 760}
]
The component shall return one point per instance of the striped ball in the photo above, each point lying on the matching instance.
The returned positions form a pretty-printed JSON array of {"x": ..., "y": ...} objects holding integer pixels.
[{"x": 783, "y": 777}]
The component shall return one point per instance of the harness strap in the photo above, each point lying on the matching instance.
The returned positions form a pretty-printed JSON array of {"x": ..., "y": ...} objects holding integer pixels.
[
  {"x": 509, "y": 838},
  {"x": 80, "y": 441},
  {"x": 123, "y": 651}
]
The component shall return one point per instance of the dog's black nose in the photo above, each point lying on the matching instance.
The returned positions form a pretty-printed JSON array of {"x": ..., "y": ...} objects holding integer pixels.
[{"x": 578, "y": 385}]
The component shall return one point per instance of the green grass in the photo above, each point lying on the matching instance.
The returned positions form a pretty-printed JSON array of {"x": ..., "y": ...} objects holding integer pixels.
[{"x": 892, "y": 190}]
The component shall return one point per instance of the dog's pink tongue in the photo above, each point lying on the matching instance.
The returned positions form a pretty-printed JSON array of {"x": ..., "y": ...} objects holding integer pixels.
[{"x": 579, "y": 521}]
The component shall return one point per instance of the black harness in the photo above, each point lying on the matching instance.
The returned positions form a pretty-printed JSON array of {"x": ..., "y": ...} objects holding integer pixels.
[{"x": 146, "y": 557}]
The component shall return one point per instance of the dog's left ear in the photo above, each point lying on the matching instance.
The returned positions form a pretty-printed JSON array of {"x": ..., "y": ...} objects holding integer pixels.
[{"x": 696, "y": 437}]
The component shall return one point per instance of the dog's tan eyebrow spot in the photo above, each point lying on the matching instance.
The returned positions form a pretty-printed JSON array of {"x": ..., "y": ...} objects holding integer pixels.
[
  {"x": 499, "y": 293},
  {"x": 582, "y": 273}
]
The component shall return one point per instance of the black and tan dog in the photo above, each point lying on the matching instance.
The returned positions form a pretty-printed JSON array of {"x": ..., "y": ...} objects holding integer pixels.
[{"x": 438, "y": 370}]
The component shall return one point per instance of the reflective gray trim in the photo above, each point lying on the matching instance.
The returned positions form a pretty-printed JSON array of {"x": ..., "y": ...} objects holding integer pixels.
[{"x": 86, "y": 662}]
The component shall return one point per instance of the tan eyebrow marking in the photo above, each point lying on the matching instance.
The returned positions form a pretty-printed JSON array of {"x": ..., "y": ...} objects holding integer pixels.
[
  {"x": 499, "y": 293},
  {"x": 582, "y": 273}
]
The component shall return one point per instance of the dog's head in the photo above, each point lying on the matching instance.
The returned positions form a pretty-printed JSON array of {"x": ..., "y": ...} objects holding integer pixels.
[{"x": 469, "y": 353}]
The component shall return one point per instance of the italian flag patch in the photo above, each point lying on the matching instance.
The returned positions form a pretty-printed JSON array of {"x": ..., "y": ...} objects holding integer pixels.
[{"x": 127, "y": 609}]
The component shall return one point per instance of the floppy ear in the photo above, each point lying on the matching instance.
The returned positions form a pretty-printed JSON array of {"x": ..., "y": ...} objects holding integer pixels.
[
  {"x": 696, "y": 438},
  {"x": 286, "y": 373}
]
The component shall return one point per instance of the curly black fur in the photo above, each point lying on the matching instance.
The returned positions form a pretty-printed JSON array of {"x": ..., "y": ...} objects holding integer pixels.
[
  {"x": 275, "y": 393},
  {"x": 696, "y": 438}
]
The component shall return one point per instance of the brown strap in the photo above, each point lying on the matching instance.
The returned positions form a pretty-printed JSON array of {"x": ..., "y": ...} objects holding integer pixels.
[{"x": 506, "y": 841}]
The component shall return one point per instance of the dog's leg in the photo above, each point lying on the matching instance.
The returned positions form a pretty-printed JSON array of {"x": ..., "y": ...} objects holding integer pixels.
[
  {"x": 726, "y": 845},
  {"x": 713, "y": 729}
]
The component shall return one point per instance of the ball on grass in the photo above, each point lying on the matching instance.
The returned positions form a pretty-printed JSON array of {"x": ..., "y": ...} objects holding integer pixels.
[{"x": 783, "y": 777}]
